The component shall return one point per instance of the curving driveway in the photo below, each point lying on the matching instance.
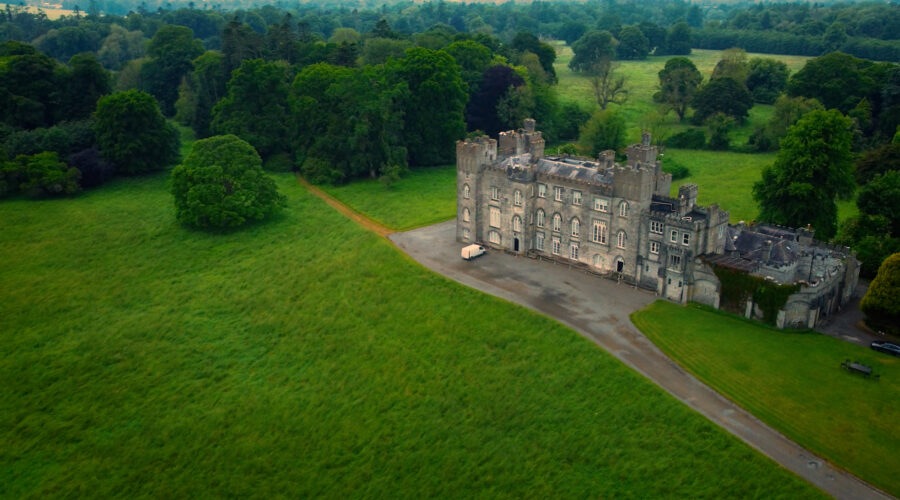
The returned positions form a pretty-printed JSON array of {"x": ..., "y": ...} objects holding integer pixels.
[{"x": 599, "y": 310}]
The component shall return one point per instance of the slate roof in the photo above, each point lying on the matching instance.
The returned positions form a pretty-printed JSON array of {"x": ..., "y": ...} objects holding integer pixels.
[
  {"x": 576, "y": 169},
  {"x": 754, "y": 246}
]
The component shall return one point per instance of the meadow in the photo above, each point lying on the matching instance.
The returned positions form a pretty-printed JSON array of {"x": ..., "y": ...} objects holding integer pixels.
[
  {"x": 424, "y": 196},
  {"x": 304, "y": 356},
  {"x": 642, "y": 80},
  {"x": 793, "y": 382}
]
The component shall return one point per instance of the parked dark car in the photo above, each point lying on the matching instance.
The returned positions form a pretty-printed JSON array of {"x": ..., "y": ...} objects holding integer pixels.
[{"x": 886, "y": 347}]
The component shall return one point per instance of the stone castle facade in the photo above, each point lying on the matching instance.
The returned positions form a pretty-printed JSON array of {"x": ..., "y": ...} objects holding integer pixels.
[{"x": 619, "y": 220}]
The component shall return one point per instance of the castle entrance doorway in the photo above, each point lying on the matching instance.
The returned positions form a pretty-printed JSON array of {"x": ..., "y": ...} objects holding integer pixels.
[
  {"x": 516, "y": 244},
  {"x": 620, "y": 266}
]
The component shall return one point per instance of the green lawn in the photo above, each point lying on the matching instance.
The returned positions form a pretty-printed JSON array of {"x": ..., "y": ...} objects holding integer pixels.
[
  {"x": 727, "y": 178},
  {"x": 307, "y": 357},
  {"x": 643, "y": 80},
  {"x": 424, "y": 196},
  {"x": 793, "y": 382}
]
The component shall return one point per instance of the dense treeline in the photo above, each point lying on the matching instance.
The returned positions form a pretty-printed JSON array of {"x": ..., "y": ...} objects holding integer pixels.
[{"x": 868, "y": 30}]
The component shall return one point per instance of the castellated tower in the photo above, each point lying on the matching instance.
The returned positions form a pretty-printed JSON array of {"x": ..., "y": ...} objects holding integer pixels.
[
  {"x": 644, "y": 155},
  {"x": 472, "y": 155},
  {"x": 524, "y": 140}
]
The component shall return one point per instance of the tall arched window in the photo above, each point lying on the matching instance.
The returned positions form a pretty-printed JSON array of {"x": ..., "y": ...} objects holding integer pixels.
[
  {"x": 465, "y": 190},
  {"x": 465, "y": 215},
  {"x": 517, "y": 224},
  {"x": 599, "y": 233},
  {"x": 576, "y": 228},
  {"x": 557, "y": 222},
  {"x": 621, "y": 239},
  {"x": 517, "y": 198},
  {"x": 540, "y": 218},
  {"x": 623, "y": 209}
]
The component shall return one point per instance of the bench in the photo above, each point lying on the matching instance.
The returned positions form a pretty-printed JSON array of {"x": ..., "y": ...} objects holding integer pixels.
[{"x": 857, "y": 367}]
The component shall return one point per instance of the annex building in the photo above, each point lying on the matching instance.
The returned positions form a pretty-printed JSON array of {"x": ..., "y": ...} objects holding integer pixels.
[{"x": 618, "y": 220}]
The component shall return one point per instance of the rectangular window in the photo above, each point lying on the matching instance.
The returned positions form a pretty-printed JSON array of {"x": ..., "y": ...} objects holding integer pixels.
[
  {"x": 576, "y": 197},
  {"x": 539, "y": 241},
  {"x": 656, "y": 227},
  {"x": 494, "y": 237},
  {"x": 654, "y": 247},
  {"x": 495, "y": 217},
  {"x": 686, "y": 239},
  {"x": 673, "y": 236},
  {"x": 542, "y": 190},
  {"x": 557, "y": 193},
  {"x": 573, "y": 252},
  {"x": 556, "y": 246},
  {"x": 598, "y": 235},
  {"x": 601, "y": 205},
  {"x": 495, "y": 193},
  {"x": 675, "y": 261}
]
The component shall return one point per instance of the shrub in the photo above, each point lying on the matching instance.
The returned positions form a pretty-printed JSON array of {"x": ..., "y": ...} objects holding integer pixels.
[
  {"x": 221, "y": 184},
  {"x": 94, "y": 169},
  {"x": 692, "y": 138},
  {"x": 677, "y": 170},
  {"x": 43, "y": 174}
]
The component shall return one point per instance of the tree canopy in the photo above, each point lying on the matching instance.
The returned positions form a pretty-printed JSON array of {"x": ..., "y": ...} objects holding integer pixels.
[
  {"x": 813, "y": 168},
  {"x": 133, "y": 134},
  {"x": 679, "y": 81},
  {"x": 221, "y": 184},
  {"x": 881, "y": 304}
]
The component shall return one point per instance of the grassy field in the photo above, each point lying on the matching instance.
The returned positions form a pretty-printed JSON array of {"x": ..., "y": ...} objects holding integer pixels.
[
  {"x": 727, "y": 178},
  {"x": 306, "y": 357},
  {"x": 425, "y": 196},
  {"x": 643, "y": 80},
  {"x": 793, "y": 382}
]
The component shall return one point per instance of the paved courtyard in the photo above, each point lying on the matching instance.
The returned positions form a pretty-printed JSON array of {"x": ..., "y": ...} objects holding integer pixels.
[{"x": 598, "y": 309}]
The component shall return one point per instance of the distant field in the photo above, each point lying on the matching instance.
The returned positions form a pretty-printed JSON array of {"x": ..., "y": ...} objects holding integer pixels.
[
  {"x": 425, "y": 196},
  {"x": 793, "y": 382},
  {"x": 643, "y": 80},
  {"x": 51, "y": 13},
  {"x": 307, "y": 357}
]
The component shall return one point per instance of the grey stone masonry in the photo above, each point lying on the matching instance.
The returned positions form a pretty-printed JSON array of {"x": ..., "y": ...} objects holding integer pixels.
[{"x": 611, "y": 218}]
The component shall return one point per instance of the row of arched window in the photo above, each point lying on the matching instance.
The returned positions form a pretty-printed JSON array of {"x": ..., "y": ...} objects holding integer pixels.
[
  {"x": 598, "y": 235},
  {"x": 517, "y": 200}
]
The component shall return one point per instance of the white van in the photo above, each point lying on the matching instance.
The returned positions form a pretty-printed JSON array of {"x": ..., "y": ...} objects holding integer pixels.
[{"x": 472, "y": 251}]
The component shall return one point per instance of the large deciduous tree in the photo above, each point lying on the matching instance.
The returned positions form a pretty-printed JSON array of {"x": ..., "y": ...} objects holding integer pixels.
[
  {"x": 632, "y": 44},
  {"x": 678, "y": 84},
  {"x": 722, "y": 95},
  {"x": 172, "y": 51},
  {"x": 133, "y": 134},
  {"x": 221, "y": 183},
  {"x": 678, "y": 40},
  {"x": 592, "y": 48},
  {"x": 881, "y": 304},
  {"x": 605, "y": 130},
  {"x": 481, "y": 112},
  {"x": 813, "y": 168},
  {"x": 837, "y": 80},
  {"x": 86, "y": 82},
  {"x": 767, "y": 79},
  {"x": 255, "y": 108},
  {"x": 434, "y": 110}
]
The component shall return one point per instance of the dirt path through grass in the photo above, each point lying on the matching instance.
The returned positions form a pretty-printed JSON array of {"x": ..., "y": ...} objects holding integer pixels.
[{"x": 361, "y": 219}]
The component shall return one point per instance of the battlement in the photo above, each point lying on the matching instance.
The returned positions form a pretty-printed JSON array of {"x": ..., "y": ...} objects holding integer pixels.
[
  {"x": 475, "y": 152},
  {"x": 524, "y": 140}
]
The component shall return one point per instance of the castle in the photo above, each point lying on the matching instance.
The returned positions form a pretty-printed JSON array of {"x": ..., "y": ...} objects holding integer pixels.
[{"x": 619, "y": 220}]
